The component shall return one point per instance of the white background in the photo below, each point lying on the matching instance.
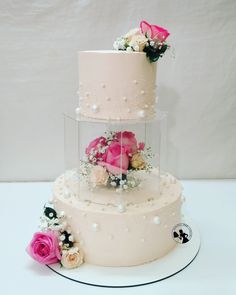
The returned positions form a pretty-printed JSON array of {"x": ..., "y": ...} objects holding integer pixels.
[{"x": 39, "y": 40}]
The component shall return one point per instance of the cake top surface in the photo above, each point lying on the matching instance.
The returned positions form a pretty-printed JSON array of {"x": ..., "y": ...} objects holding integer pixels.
[{"x": 111, "y": 51}]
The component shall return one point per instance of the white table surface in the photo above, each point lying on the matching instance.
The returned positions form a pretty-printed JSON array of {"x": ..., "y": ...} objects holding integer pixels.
[{"x": 212, "y": 205}]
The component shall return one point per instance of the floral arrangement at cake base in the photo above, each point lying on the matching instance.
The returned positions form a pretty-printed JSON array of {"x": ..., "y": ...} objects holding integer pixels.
[
  {"x": 55, "y": 242},
  {"x": 147, "y": 38},
  {"x": 112, "y": 159}
]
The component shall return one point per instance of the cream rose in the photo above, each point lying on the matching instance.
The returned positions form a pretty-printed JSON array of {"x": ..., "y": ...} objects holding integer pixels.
[
  {"x": 137, "y": 161},
  {"x": 98, "y": 176},
  {"x": 72, "y": 258},
  {"x": 136, "y": 39}
]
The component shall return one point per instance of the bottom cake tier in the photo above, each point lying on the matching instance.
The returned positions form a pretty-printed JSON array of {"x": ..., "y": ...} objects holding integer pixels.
[{"x": 118, "y": 236}]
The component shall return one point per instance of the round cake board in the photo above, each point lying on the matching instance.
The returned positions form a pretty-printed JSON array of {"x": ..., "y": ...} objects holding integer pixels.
[{"x": 120, "y": 277}]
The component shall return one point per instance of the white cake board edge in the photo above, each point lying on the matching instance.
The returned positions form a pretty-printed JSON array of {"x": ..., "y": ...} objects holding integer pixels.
[{"x": 134, "y": 276}]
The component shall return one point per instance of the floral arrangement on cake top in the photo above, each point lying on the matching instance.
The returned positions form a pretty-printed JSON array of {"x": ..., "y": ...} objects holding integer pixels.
[
  {"x": 55, "y": 242},
  {"x": 111, "y": 160},
  {"x": 148, "y": 38}
]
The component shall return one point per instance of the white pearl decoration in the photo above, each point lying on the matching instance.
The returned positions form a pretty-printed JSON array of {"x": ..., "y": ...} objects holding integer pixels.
[
  {"x": 142, "y": 92},
  {"x": 77, "y": 111},
  {"x": 121, "y": 208},
  {"x": 108, "y": 99},
  {"x": 127, "y": 229},
  {"x": 135, "y": 81},
  {"x": 146, "y": 106},
  {"x": 128, "y": 110},
  {"x": 156, "y": 220},
  {"x": 141, "y": 114},
  {"x": 144, "y": 217},
  {"x": 95, "y": 227},
  {"x": 62, "y": 237},
  {"x": 173, "y": 214},
  {"x": 142, "y": 240},
  {"x": 94, "y": 108},
  {"x": 71, "y": 238},
  {"x": 103, "y": 85},
  {"x": 124, "y": 98}
]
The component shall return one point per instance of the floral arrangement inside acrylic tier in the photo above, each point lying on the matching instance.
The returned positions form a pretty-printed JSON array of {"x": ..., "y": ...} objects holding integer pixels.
[
  {"x": 113, "y": 159},
  {"x": 147, "y": 38}
]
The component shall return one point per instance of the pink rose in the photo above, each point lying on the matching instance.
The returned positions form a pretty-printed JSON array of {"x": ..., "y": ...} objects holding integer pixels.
[
  {"x": 44, "y": 248},
  {"x": 94, "y": 146},
  {"x": 153, "y": 31},
  {"x": 116, "y": 160},
  {"x": 128, "y": 141}
]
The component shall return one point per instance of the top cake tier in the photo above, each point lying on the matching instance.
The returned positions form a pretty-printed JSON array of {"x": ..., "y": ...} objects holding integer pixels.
[{"x": 116, "y": 85}]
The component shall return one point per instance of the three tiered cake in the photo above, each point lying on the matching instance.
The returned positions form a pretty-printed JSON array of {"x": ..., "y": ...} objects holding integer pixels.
[{"x": 114, "y": 208}]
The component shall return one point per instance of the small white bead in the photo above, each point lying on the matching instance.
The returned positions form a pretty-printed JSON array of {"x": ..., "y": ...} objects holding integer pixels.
[
  {"x": 121, "y": 208},
  {"x": 124, "y": 98},
  {"x": 173, "y": 213},
  {"x": 127, "y": 229},
  {"x": 141, "y": 114},
  {"x": 77, "y": 111},
  {"x": 95, "y": 227},
  {"x": 62, "y": 237},
  {"x": 142, "y": 91},
  {"x": 156, "y": 220},
  {"x": 87, "y": 94},
  {"x": 144, "y": 217},
  {"x": 94, "y": 108},
  {"x": 142, "y": 240},
  {"x": 108, "y": 99},
  {"x": 111, "y": 237},
  {"x": 71, "y": 238},
  {"x": 103, "y": 85},
  {"x": 146, "y": 106},
  {"x": 135, "y": 81},
  {"x": 128, "y": 110},
  {"x": 51, "y": 214},
  {"x": 77, "y": 92}
]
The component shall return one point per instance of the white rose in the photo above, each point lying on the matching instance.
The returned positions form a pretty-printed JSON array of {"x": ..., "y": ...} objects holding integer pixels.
[
  {"x": 98, "y": 176},
  {"x": 132, "y": 33},
  {"x": 138, "y": 42}
]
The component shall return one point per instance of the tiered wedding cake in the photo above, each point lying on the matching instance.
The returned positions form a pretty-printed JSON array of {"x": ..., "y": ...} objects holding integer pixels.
[{"x": 114, "y": 208}]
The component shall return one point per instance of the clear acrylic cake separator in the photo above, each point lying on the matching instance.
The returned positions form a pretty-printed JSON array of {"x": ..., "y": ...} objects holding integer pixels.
[{"x": 148, "y": 135}]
